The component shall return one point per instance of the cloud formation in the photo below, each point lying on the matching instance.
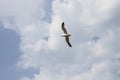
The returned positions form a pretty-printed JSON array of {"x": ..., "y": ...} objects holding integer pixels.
[{"x": 85, "y": 19}]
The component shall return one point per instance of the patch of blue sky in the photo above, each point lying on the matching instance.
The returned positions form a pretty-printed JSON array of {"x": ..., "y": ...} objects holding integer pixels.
[
  {"x": 48, "y": 11},
  {"x": 95, "y": 38},
  {"x": 9, "y": 55}
]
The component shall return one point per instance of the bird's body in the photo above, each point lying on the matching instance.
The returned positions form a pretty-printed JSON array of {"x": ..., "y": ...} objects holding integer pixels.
[{"x": 66, "y": 35}]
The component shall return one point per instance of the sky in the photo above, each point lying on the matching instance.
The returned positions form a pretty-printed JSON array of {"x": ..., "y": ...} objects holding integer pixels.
[{"x": 31, "y": 46}]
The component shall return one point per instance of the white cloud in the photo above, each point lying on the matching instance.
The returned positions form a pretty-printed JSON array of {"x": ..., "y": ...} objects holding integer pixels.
[
  {"x": 84, "y": 19},
  {"x": 21, "y": 12}
]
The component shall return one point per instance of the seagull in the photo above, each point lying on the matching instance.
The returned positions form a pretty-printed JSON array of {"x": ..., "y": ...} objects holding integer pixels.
[{"x": 66, "y": 35}]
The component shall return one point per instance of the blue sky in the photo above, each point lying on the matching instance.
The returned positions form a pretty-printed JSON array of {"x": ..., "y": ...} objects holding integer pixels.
[
  {"x": 31, "y": 46},
  {"x": 9, "y": 51}
]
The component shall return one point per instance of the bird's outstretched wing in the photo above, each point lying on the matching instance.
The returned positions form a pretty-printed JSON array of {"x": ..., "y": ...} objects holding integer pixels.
[
  {"x": 68, "y": 41},
  {"x": 63, "y": 28}
]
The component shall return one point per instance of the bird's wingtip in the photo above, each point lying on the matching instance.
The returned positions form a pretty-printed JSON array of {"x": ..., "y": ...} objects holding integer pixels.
[{"x": 62, "y": 23}]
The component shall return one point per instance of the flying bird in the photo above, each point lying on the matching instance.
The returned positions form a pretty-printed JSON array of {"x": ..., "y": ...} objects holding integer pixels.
[{"x": 65, "y": 34}]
